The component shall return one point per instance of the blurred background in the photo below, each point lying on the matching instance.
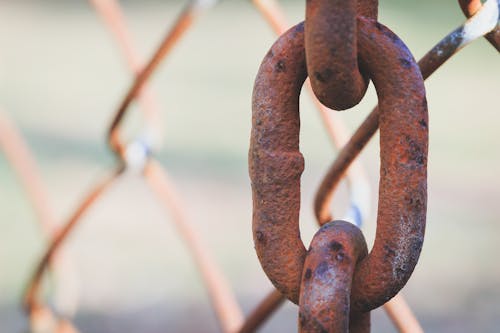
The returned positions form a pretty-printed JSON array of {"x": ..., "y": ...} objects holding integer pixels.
[{"x": 61, "y": 79}]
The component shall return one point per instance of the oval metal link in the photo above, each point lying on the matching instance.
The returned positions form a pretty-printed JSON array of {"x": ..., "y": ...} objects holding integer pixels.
[{"x": 276, "y": 164}]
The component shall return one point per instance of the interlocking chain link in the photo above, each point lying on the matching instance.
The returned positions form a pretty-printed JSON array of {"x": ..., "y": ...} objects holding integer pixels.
[
  {"x": 276, "y": 165},
  {"x": 332, "y": 50}
]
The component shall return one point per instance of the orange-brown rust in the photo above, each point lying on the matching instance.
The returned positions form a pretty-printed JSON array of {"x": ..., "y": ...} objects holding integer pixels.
[
  {"x": 338, "y": 133},
  {"x": 325, "y": 290},
  {"x": 470, "y": 7},
  {"x": 276, "y": 164},
  {"x": 403, "y": 174},
  {"x": 368, "y": 8},
  {"x": 331, "y": 50}
]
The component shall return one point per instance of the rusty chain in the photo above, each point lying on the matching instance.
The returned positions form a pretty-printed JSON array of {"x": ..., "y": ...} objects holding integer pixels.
[
  {"x": 276, "y": 165},
  {"x": 338, "y": 249}
]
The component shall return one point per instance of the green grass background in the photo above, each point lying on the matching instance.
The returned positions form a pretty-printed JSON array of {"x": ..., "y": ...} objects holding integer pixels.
[{"x": 61, "y": 77}]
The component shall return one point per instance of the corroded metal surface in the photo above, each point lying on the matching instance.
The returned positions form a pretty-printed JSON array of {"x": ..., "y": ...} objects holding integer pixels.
[
  {"x": 276, "y": 164},
  {"x": 357, "y": 181},
  {"x": 325, "y": 293},
  {"x": 332, "y": 50}
]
